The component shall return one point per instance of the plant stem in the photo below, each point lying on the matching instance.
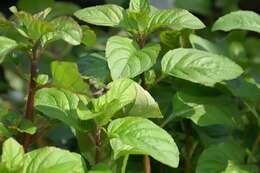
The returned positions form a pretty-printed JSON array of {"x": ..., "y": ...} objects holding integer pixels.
[
  {"x": 98, "y": 144},
  {"x": 254, "y": 147},
  {"x": 187, "y": 127},
  {"x": 31, "y": 93},
  {"x": 147, "y": 163}
]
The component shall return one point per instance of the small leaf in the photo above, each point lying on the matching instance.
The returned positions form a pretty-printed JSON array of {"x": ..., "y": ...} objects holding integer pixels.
[
  {"x": 53, "y": 160},
  {"x": 128, "y": 97},
  {"x": 65, "y": 28},
  {"x": 140, "y": 6},
  {"x": 66, "y": 75},
  {"x": 177, "y": 19},
  {"x": 6, "y": 45},
  {"x": 199, "y": 66},
  {"x": 104, "y": 15},
  {"x": 89, "y": 36},
  {"x": 126, "y": 59},
  {"x": 134, "y": 135},
  {"x": 13, "y": 156},
  {"x": 61, "y": 105},
  {"x": 245, "y": 20},
  {"x": 100, "y": 168},
  {"x": 42, "y": 79},
  {"x": 203, "y": 44},
  {"x": 94, "y": 65}
]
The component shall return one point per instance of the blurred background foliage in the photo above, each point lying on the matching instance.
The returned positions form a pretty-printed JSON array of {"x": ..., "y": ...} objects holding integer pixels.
[{"x": 241, "y": 46}]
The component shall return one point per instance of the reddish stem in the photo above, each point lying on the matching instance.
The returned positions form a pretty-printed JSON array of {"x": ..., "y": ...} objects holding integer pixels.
[
  {"x": 31, "y": 93},
  {"x": 98, "y": 144}
]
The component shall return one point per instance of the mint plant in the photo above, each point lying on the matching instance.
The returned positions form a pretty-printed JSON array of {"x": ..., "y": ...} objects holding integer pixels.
[{"x": 156, "y": 93}]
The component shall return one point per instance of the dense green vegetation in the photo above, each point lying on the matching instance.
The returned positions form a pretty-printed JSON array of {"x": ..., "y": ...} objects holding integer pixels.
[{"x": 108, "y": 89}]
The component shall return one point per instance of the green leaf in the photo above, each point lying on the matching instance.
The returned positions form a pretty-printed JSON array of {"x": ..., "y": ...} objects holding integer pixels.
[
  {"x": 245, "y": 20},
  {"x": 205, "y": 110},
  {"x": 247, "y": 89},
  {"x": 89, "y": 36},
  {"x": 53, "y": 160},
  {"x": 126, "y": 59},
  {"x": 61, "y": 105},
  {"x": 100, "y": 168},
  {"x": 26, "y": 126},
  {"x": 140, "y": 6},
  {"x": 65, "y": 28},
  {"x": 203, "y": 44},
  {"x": 177, "y": 19},
  {"x": 199, "y": 66},
  {"x": 6, "y": 46},
  {"x": 135, "y": 135},
  {"x": 235, "y": 168},
  {"x": 94, "y": 65},
  {"x": 66, "y": 75},
  {"x": 122, "y": 93},
  {"x": 199, "y": 6},
  {"x": 34, "y": 7},
  {"x": 42, "y": 79},
  {"x": 61, "y": 8},
  {"x": 4, "y": 132},
  {"x": 217, "y": 157},
  {"x": 13, "y": 156},
  {"x": 33, "y": 27},
  {"x": 103, "y": 15}
]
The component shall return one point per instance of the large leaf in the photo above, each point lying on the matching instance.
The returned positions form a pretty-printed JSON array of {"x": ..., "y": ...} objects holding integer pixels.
[
  {"x": 6, "y": 45},
  {"x": 38, "y": 5},
  {"x": 125, "y": 96},
  {"x": 12, "y": 156},
  {"x": 135, "y": 135},
  {"x": 104, "y": 15},
  {"x": 126, "y": 59},
  {"x": 53, "y": 160},
  {"x": 245, "y": 20},
  {"x": 61, "y": 105},
  {"x": 204, "y": 110},
  {"x": 199, "y": 66},
  {"x": 64, "y": 28},
  {"x": 218, "y": 157},
  {"x": 174, "y": 18},
  {"x": 66, "y": 75}
]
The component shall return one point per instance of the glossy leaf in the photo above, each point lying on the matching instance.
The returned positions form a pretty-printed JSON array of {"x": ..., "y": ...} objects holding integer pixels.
[
  {"x": 53, "y": 160},
  {"x": 174, "y": 18},
  {"x": 104, "y": 15},
  {"x": 126, "y": 59},
  {"x": 140, "y": 6},
  {"x": 122, "y": 93},
  {"x": 66, "y": 75},
  {"x": 61, "y": 105},
  {"x": 199, "y": 66},
  {"x": 245, "y": 20},
  {"x": 12, "y": 156},
  {"x": 64, "y": 28},
  {"x": 6, "y": 45},
  {"x": 134, "y": 135}
]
